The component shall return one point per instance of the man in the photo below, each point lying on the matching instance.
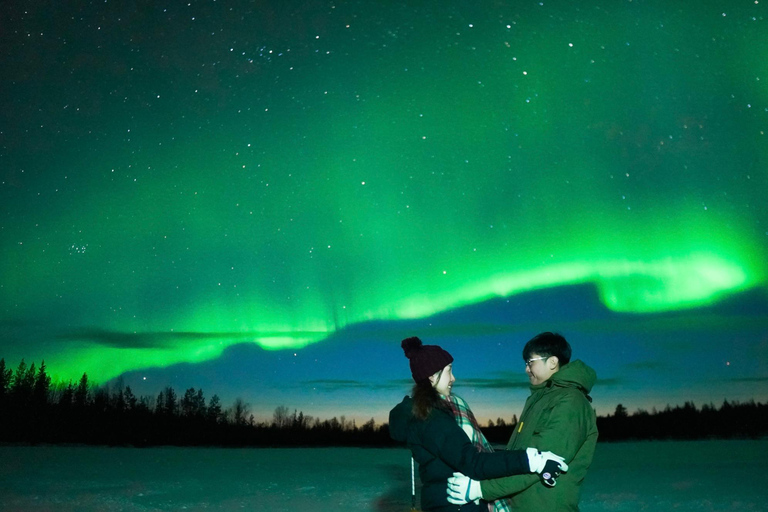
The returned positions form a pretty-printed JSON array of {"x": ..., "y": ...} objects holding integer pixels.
[{"x": 557, "y": 417}]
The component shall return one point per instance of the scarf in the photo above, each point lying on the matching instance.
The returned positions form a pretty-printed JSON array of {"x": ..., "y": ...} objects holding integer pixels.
[{"x": 468, "y": 424}]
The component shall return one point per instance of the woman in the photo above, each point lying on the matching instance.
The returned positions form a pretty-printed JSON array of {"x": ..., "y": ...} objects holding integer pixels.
[{"x": 440, "y": 429}]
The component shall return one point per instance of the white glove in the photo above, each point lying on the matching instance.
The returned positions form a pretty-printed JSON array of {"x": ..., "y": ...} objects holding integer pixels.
[
  {"x": 547, "y": 464},
  {"x": 537, "y": 460},
  {"x": 461, "y": 489}
]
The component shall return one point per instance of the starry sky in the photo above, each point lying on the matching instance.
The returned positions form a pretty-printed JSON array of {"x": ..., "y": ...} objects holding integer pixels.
[{"x": 261, "y": 199}]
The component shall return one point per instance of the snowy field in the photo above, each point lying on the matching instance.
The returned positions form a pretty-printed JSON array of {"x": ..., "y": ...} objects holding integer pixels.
[{"x": 652, "y": 476}]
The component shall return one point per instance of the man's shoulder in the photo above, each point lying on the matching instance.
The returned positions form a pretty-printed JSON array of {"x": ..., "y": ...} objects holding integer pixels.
[{"x": 568, "y": 397}]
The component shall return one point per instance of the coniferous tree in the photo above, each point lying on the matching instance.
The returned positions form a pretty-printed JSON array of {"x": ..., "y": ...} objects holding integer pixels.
[
  {"x": 18, "y": 379},
  {"x": 299, "y": 422},
  {"x": 42, "y": 386},
  {"x": 18, "y": 376},
  {"x": 29, "y": 379},
  {"x": 213, "y": 413},
  {"x": 160, "y": 404},
  {"x": 81, "y": 397},
  {"x": 5, "y": 380},
  {"x": 188, "y": 409},
  {"x": 171, "y": 402}
]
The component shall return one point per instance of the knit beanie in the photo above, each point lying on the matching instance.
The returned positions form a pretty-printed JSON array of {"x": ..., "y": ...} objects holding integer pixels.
[{"x": 425, "y": 360}]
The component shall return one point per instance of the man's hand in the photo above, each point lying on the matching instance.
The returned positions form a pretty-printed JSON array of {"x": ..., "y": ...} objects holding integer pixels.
[
  {"x": 551, "y": 471},
  {"x": 546, "y": 464},
  {"x": 461, "y": 489}
]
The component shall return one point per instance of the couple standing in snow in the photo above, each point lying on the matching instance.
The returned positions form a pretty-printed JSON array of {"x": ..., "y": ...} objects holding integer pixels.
[{"x": 458, "y": 468}]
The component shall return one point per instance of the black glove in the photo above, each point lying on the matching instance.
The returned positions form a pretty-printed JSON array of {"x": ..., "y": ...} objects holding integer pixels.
[
  {"x": 550, "y": 473},
  {"x": 546, "y": 464}
]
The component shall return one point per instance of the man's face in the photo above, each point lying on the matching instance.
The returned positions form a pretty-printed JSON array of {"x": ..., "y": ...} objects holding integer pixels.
[{"x": 539, "y": 368}]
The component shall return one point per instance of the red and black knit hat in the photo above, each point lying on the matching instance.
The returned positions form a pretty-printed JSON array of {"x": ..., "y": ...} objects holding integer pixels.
[{"x": 425, "y": 360}]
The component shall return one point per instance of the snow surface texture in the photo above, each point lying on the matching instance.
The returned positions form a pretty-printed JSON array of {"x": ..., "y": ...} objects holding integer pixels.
[{"x": 652, "y": 476}]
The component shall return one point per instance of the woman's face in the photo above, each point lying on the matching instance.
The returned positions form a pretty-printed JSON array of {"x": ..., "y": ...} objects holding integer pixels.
[{"x": 443, "y": 381}]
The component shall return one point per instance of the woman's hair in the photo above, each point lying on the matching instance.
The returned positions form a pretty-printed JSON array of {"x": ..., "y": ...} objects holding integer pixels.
[{"x": 426, "y": 398}]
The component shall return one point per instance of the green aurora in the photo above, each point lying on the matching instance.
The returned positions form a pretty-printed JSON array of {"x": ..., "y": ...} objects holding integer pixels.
[{"x": 170, "y": 192}]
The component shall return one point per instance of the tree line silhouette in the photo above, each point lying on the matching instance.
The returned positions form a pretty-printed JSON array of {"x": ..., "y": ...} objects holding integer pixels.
[
  {"x": 731, "y": 420},
  {"x": 35, "y": 410}
]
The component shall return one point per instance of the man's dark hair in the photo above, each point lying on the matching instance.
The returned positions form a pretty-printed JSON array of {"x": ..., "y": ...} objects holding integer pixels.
[{"x": 548, "y": 344}]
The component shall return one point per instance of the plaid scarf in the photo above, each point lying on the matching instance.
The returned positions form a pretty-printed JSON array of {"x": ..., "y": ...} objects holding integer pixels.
[{"x": 468, "y": 424}]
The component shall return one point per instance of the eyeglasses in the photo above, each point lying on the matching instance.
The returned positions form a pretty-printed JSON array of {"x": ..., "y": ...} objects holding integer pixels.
[{"x": 531, "y": 360}]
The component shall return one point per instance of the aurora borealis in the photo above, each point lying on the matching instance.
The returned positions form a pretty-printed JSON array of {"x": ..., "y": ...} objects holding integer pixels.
[{"x": 262, "y": 199}]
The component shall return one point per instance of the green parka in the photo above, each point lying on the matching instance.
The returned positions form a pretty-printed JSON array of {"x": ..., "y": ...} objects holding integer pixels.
[
  {"x": 441, "y": 447},
  {"x": 557, "y": 417}
]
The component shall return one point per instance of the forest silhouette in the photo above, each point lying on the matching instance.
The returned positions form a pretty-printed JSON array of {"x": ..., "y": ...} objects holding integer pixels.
[{"x": 33, "y": 410}]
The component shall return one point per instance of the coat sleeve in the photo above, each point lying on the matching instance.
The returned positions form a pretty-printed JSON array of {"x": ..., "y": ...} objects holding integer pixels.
[
  {"x": 563, "y": 432},
  {"x": 447, "y": 441}
]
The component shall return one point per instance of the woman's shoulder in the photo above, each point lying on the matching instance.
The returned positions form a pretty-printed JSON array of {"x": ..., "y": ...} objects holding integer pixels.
[{"x": 441, "y": 418}]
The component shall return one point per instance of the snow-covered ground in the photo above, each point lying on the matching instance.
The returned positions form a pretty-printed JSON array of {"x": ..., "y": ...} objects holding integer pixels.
[{"x": 652, "y": 476}]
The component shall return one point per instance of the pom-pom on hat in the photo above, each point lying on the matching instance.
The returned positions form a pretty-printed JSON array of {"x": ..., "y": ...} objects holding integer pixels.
[{"x": 425, "y": 360}]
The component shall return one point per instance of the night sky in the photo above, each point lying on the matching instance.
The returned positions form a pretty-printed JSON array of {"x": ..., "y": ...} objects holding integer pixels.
[{"x": 261, "y": 199}]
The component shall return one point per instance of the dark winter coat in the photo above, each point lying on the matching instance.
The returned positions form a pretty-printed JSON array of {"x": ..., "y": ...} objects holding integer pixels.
[
  {"x": 441, "y": 447},
  {"x": 557, "y": 417}
]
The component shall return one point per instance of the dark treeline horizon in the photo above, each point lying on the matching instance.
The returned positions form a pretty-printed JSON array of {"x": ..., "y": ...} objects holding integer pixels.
[{"x": 36, "y": 411}]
